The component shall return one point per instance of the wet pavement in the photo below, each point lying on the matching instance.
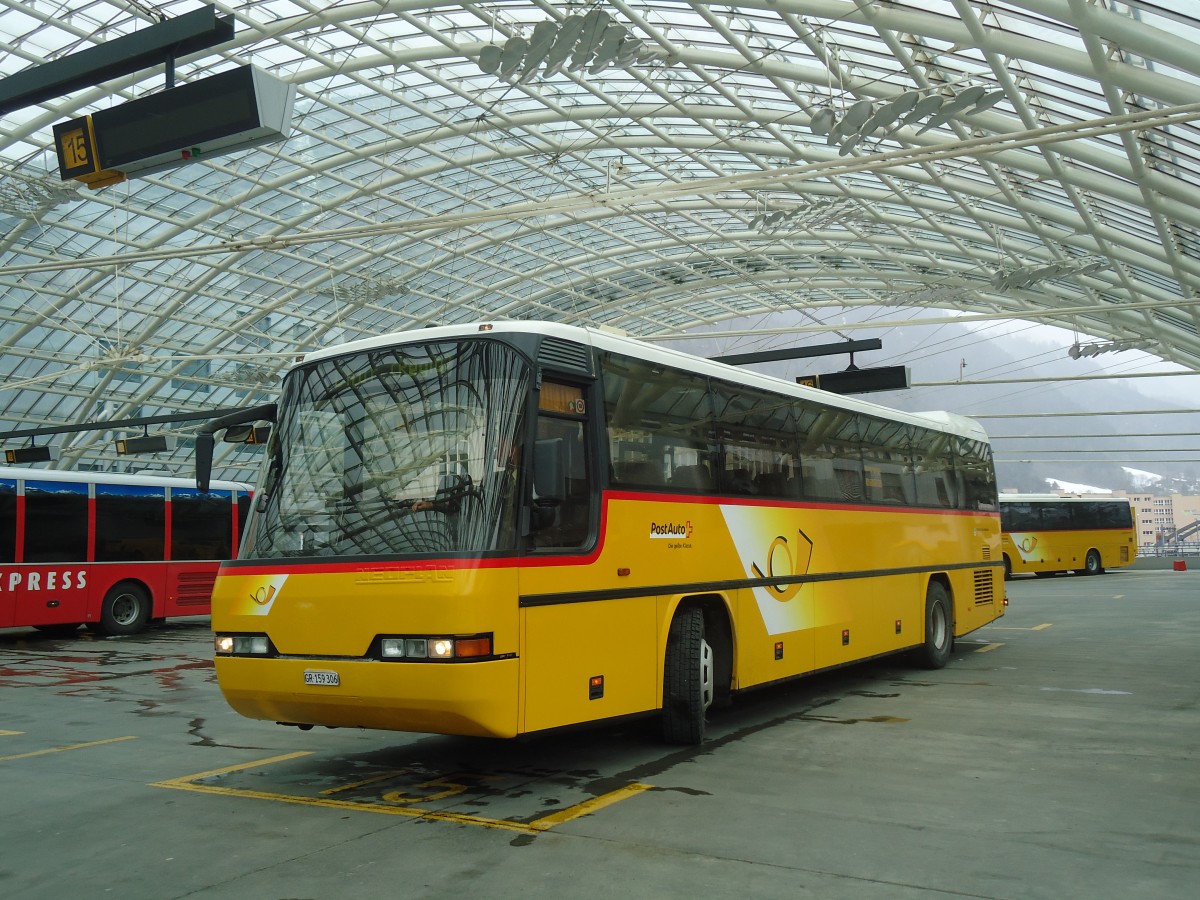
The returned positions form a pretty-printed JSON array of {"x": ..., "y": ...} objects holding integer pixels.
[{"x": 1054, "y": 757}]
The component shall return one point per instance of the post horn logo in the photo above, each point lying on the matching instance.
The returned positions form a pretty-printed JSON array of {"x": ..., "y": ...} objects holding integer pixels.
[
  {"x": 264, "y": 595},
  {"x": 780, "y": 554}
]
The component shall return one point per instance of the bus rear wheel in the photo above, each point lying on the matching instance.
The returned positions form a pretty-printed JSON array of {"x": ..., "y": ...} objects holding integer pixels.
[
  {"x": 125, "y": 610},
  {"x": 939, "y": 627},
  {"x": 687, "y": 678},
  {"x": 1091, "y": 564}
]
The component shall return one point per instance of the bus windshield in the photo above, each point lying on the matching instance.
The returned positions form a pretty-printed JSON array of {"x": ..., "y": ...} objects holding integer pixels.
[{"x": 394, "y": 451}]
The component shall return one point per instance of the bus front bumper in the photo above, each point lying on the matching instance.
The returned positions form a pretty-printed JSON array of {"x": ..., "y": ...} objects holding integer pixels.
[{"x": 466, "y": 698}]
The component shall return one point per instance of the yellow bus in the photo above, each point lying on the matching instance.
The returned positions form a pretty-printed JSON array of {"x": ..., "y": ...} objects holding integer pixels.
[
  {"x": 507, "y": 528},
  {"x": 1050, "y": 533}
]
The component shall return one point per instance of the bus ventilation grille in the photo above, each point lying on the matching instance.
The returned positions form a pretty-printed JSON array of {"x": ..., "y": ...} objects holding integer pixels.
[
  {"x": 195, "y": 588},
  {"x": 983, "y": 586},
  {"x": 563, "y": 356},
  {"x": 987, "y": 552}
]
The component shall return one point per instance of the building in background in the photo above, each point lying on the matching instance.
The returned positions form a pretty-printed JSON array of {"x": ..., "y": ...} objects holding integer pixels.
[{"x": 1165, "y": 522}]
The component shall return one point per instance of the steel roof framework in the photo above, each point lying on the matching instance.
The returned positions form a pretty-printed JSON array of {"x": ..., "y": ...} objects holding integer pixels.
[{"x": 418, "y": 188}]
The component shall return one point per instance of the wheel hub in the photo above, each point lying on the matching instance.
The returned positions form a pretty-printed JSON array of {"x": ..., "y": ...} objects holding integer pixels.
[{"x": 706, "y": 674}]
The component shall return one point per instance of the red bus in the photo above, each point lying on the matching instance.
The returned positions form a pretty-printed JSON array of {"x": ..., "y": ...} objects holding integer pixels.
[{"x": 111, "y": 552}]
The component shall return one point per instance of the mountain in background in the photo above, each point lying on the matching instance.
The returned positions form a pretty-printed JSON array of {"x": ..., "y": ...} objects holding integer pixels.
[{"x": 951, "y": 355}]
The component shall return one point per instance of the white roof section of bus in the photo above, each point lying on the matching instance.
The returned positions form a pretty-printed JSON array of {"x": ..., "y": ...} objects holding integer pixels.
[
  {"x": 16, "y": 473},
  {"x": 1056, "y": 498},
  {"x": 618, "y": 343},
  {"x": 680, "y": 188}
]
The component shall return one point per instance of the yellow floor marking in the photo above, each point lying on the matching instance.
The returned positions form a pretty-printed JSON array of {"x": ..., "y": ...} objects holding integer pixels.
[
  {"x": 349, "y": 787},
  {"x": 68, "y": 747},
  {"x": 227, "y": 769},
  {"x": 3, "y": 732},
  {"x": 588, "y": 806},
  {"x": 186, "y": 783},
  {"x": 986, "y": 647},
  {"x": 1042, "y": 627}
]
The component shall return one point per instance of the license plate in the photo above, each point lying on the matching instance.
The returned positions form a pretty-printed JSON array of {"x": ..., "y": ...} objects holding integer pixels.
[{"x": 316, "y": 676}]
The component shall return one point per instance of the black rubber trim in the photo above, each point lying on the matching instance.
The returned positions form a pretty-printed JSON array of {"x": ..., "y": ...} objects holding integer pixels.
[{"x": 557, "y": 599}]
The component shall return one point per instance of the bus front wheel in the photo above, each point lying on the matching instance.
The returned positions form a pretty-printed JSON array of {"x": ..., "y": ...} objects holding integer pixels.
[
  {"x": 1091, "y": 564},
  {"x": 939, "y": 627},
  {"x": 125, "y": 610},
  {"x": 687, "y": 678}
]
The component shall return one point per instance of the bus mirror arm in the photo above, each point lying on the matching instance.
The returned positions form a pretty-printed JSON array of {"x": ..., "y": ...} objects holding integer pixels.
[
  {"x": 204, "y": 455},
  {"x": 205, "y": 440}
]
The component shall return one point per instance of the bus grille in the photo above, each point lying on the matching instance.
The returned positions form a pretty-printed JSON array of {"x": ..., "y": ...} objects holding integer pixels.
[
  {"x": 987, "y": 552},
  {"x": 195, "y": 588},
  {"x": 983, "y": 586},
  {"x": 564, "y": 356},
  {"x": 1124, "y": 554}
]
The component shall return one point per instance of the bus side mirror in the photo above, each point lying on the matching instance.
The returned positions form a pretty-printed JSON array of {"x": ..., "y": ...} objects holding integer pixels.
[
  {"x": 239, "y": 422},
  {"x": 246, "y": 434}
]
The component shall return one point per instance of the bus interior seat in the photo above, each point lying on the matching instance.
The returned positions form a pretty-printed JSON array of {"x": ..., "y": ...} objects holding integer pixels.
[
  {"x": 641, "y": 472},
  {"x": 773, "y": 484},
  {"x": 692, "y": 478},
  {"x": 738, "y": 481}
]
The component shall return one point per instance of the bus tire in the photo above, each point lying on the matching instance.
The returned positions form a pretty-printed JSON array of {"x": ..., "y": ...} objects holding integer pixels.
[
  {"x": 687, "y": 678},
  {"x": 1091, "y": 563},
  {"x": 125, "y": 610},
  {"x": 1007, "y": 568},
  {"x": 939, "y": 627}
]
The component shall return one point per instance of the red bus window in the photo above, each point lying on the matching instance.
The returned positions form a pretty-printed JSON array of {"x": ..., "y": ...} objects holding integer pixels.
[
  {"x": 8, "y": 520},
  {"x": 131, "y": 522},
  {"x": 56, "y": 521},
  {"x": 201, "y": 524}
]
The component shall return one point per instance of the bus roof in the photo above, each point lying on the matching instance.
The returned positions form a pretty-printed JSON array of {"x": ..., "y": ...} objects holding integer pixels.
[
  {"x": 1053, "y": 498},
  {"x": 20, "y": 472},
  {"x": 608, "y": 340}
]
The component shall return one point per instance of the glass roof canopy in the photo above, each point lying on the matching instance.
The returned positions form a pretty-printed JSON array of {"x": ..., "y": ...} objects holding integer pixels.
[{"x": 1035, "y": 159}]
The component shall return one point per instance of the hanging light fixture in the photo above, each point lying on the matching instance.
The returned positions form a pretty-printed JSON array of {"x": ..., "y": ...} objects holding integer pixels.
[
  {"x": 593, "y": 41},
  {"x": 1026, "y": 276},
  {"x": 1082, "y": 351},
  {"x": 863, "y": 119}
]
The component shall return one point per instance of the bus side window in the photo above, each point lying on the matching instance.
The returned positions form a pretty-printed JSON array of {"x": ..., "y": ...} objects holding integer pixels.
[
  {"x": 56, "y": 521},
  {"x": 8, "y": 520},
  {"x": 202, "y": 524},
  {"x": 131, "y": 522},
  {"x": 658, "y": 420}
]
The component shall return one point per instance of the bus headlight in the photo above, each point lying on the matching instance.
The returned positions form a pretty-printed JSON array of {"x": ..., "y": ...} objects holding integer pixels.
[
  {"x": 442, "y": 648},
  {"x": 241, "y": 645}
]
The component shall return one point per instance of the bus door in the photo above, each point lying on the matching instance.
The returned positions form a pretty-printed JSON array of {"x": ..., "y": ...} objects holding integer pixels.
[{"x": 586, "y": 655}]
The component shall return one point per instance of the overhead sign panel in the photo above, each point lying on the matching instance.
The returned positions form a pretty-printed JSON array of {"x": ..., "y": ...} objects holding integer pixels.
[
  {"x": 233, "y": 110},
  {"x": 860, "y": 381}
]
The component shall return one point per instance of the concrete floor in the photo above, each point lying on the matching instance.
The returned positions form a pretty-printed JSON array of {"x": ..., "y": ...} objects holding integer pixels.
[{"x": 1054, "y": 757}]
